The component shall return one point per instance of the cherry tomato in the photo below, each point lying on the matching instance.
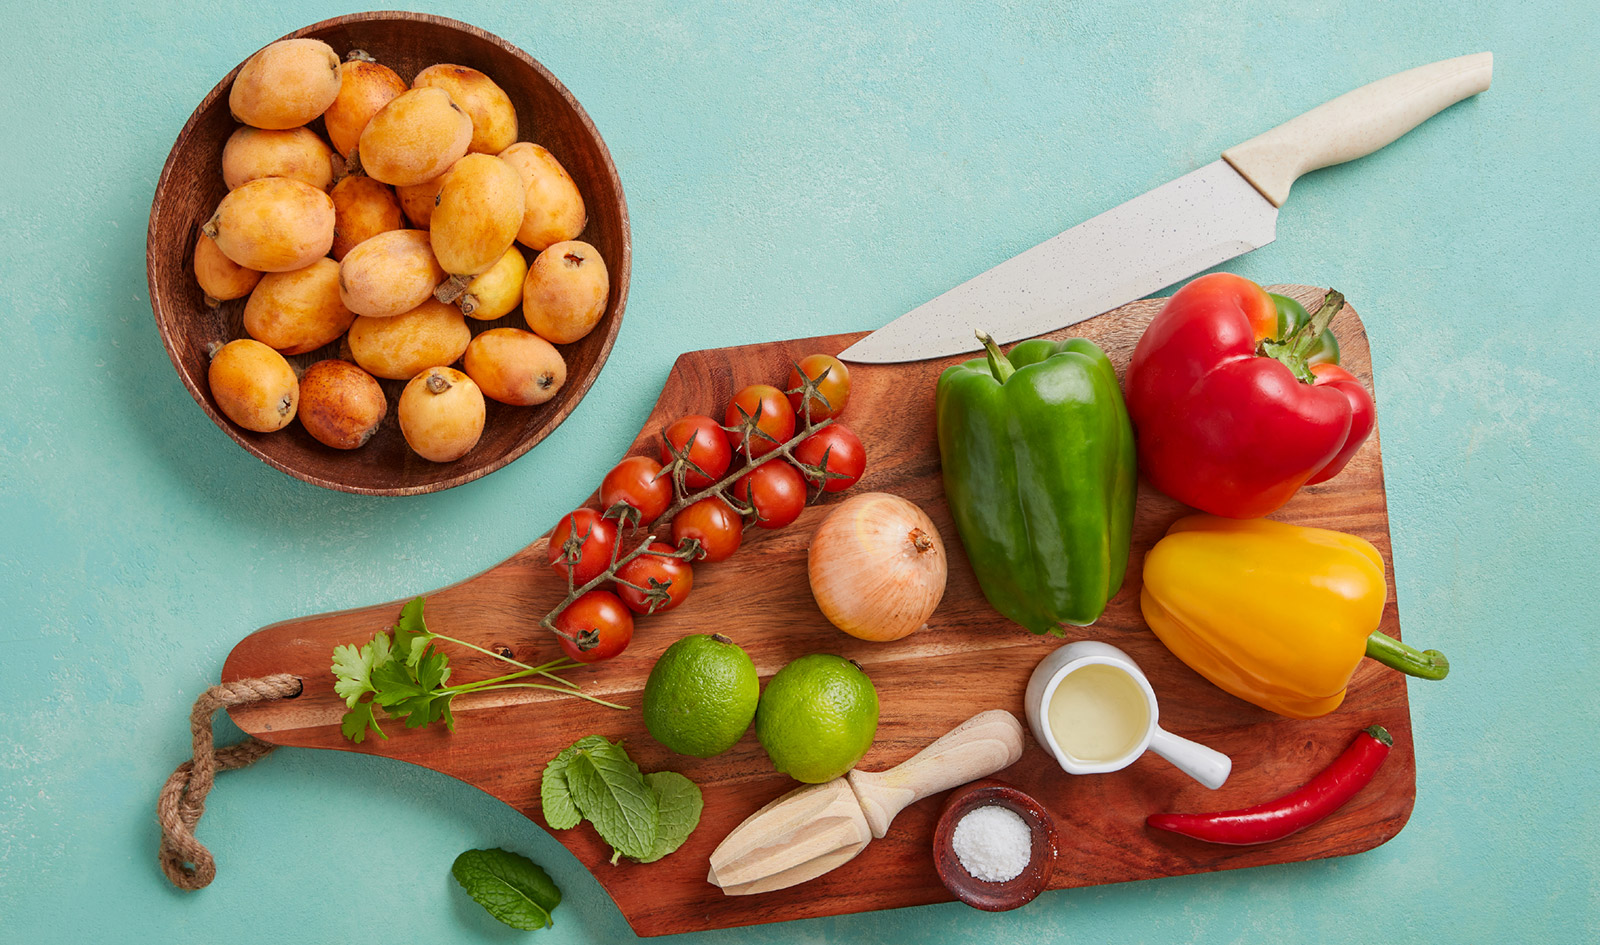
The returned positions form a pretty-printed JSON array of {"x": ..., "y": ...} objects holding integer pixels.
[
  {"x": 833, "y": 383},
  {"x": 845, "y": 457},
  {"x": 776, "y": 489},
  {"x": 597, "y": 616},
  {"x": 767, "y": 405},
  {"x": 709, "y": 450},
  {"x": 637, "y": 481},
  {"x": 595, "y": 554},
  {"x": 676, "y": 573},
  {"x": 711, "y": 522}
]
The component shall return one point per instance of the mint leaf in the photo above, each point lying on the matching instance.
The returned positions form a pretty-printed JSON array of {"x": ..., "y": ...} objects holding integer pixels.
[
  {"x": 511, "y": 887},
  {"x": 608, "y": 789},
  {"x": 555, "y": 798},
  {"x": 678, "y": 806},
  {"x": 644, "y": 817}
]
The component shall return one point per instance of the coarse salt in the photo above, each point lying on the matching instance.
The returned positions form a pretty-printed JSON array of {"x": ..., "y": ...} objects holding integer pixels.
[{"x": 993, "y": 843}]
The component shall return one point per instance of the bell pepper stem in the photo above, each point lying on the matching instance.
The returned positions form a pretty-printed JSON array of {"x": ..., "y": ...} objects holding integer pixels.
[
  {"x": 1425, "y": 664},
  {"x": 999, "y": 364},
  {"x": 1308, "y": 333},
  {"x": 1291, "y": 352}
]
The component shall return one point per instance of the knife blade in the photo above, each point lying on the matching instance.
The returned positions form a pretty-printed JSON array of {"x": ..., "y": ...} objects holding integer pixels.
[
  {"x": 1206, "y": 217},
  {"x": 819, "y": 827}
]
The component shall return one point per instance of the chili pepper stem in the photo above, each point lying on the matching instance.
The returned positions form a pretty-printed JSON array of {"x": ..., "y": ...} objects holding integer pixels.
[
  {"x": 999, "y": 364},
  {"x": 1424, "y": 664}
]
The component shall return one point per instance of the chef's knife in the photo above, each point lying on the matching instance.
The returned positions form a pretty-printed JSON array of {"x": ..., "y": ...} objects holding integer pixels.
[
  {"x": 815, "y": 828},
  {"x": 1203, "y": 218}
]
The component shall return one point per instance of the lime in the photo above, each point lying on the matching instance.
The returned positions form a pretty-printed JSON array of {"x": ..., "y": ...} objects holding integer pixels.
[
  {"x": 701, "y": 695},
  {"x": 817, "y": 717}
]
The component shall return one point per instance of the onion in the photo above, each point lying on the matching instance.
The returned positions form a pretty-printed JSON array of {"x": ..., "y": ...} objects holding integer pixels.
[{"x": 877, "y": 567}]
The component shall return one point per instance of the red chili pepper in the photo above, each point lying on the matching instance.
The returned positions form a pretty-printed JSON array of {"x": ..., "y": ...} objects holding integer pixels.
[{"x": 1274, "y": 820}]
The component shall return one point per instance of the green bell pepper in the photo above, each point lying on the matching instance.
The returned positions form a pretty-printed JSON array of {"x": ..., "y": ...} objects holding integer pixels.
[{"x": 1038, "y": 459}]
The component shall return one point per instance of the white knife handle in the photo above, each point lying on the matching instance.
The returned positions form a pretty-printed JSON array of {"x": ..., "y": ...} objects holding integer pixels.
[
  {"x": 1356, "y": 123},
  {"x": 976, "y": 748}
]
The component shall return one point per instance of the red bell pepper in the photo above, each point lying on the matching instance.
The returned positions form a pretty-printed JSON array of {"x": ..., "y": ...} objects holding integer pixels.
[{"x": 1230, "y": 418}]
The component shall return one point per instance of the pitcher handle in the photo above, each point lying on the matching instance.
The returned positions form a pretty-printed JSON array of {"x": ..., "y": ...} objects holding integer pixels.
[{"x": 1206, "y": 765}]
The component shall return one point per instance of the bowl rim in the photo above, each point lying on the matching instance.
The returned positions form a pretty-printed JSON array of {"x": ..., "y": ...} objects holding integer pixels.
[
  {"x": 623, "y": 267},
  {"x": 1005, "y": 794}
]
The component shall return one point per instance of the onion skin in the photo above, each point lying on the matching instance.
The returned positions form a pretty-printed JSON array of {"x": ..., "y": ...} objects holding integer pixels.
[{"x": 877, "y": 567}]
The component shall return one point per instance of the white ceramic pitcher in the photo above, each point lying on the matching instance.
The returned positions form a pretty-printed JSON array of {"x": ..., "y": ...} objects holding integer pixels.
[{"x": 1206, "y": 765}]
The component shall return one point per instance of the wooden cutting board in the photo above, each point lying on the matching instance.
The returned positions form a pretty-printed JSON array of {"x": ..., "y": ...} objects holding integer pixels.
[{"x": 969, "y": 659}]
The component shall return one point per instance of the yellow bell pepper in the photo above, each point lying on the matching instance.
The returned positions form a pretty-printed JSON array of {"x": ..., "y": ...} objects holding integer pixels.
[{"x": 1276, "y": 614}]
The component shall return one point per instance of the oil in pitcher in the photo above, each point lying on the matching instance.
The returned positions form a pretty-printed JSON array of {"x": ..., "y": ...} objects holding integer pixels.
[{"x": 1098, "y": 713}]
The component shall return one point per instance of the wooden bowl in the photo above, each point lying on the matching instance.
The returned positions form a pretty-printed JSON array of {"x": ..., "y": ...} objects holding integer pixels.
[
  {"x": 191, "y": 186},
  {"x": 1017, "y": 891}
]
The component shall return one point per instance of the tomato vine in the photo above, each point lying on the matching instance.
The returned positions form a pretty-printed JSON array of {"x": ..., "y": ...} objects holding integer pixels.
[{"x": 681, "y": 466}]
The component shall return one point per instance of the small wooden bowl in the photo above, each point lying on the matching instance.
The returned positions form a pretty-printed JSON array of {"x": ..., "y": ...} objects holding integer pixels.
[
  {"x": 191, "y": 186},
  {"x": 1015, "y": 892}
]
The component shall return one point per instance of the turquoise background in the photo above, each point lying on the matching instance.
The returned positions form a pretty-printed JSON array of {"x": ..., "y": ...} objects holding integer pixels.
[{"x": 794, "y": 169}]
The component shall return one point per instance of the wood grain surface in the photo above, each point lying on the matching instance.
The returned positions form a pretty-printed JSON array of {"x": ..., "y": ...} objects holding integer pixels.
[
  {"x": 191, "y": 186},
  {"x": 969, "y": 659}
]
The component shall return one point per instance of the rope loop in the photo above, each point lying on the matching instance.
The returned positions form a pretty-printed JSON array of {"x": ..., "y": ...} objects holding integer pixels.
[{"x": 182, "y": 801}]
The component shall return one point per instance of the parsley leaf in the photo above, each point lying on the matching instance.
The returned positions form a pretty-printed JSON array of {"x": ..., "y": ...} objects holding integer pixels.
[
  {"x": 424, "y": 709},
  {"x": 433, "y": 669},
  {"x": 511, "y": 887},
  {"x": 358, "y": 720},
  {"x": 411, "y": 636},
  {"x": 409, "y": 685},
  {"x": 393, "y": 683},
  {"x": 607, "y": 787},
  {"x": 678, "y": 803},
  {"x": 353, "y": 668},
  {"x": 406, "y": 673}
]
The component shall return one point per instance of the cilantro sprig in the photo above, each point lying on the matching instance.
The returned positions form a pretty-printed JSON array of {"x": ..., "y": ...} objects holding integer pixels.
[{"x": 404, "y": 673}]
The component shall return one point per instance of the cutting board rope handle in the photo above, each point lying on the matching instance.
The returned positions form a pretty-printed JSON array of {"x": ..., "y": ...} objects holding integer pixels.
[{"x": 182, "y": 801}]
